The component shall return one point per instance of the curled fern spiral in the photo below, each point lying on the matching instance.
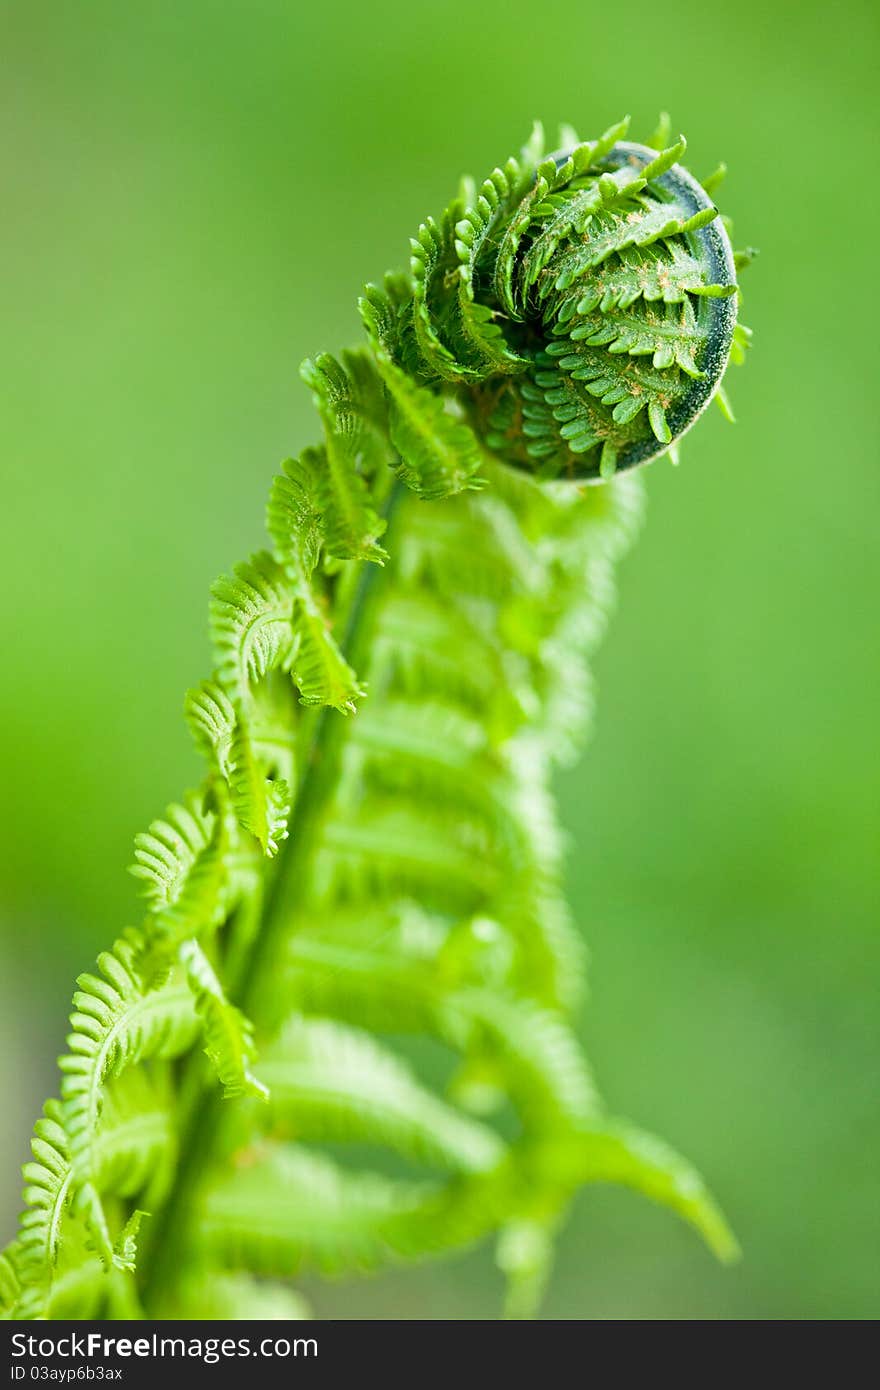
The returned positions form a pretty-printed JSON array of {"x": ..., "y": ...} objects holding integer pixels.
[
  {"x": 373, "y": 854},
  {"x": 584, "y": 309}
]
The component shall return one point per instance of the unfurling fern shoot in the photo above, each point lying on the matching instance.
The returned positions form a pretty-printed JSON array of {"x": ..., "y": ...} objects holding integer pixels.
[{"x": 374, "y": 851}]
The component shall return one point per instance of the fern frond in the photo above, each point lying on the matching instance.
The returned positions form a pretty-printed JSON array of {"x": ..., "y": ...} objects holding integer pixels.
[
  {"x": 562, "y": 322},
  {"x": 438, "y": 454},
  {"x": 668, "y": 335},
  {"x": 320, "y": 671},
  {"x": 644, "y": 224},
  {"x": 204, "y": 900},
  {"x": 329, "y": 1082},
  {"x": 434, "y": 754},
  {"x": 261, "y": 803},
  {"x": 351, "y": 527},
  {"x": 479, "y": 323},
  {"x": 115, "y": 1024},
  {"x": 166, "y": 853},
  {"x": 620, "y": 1153},
  {"x": 294, "y": 519},
  {"x": 393, "y": 849},
  {"x": 626, "y": 384},
  {"x": 382, "y": 991},
  {"x": 539, "y": 1058},
  {"x": 533, "y": 1051},
  {"x": 352, "y": 1221},
  {"x": 301, "y": 527},
  {"x": 290, "y": 1209},
  {"x": 425, "y": 649},
  {"x": 549, "y": 177},
  {"x": 251, "y": 623},
  {"x": 457, "y": 552},
  {"x": 211, "y": 717},
  {"x": 10, "y": 1289},
  {"x": 668, "y": 273},
  {"x": 432, "y": 260},
  {"x": 136, "y": 1141},
  {"x": 125, "y": 1248},
  {"x": 228, "y": 1035},
  {"x": 47, "y": 1197},
  {"x": 558, "y": 217},
  {"x": 189, "y": 881}
]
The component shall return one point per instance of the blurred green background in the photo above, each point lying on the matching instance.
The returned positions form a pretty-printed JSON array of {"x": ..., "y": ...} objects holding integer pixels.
[{"x": 193, "y": 193}]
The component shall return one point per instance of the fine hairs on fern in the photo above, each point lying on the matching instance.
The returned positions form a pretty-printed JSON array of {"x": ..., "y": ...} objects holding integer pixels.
[{"x": 373, "y": 854}]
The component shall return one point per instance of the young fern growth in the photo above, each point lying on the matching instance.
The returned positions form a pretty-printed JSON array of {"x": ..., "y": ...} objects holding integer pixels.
[{"x": 373, "y": 854}]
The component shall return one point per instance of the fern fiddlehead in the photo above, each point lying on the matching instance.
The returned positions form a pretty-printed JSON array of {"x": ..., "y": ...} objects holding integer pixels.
[{"x": 374, "y": 854}]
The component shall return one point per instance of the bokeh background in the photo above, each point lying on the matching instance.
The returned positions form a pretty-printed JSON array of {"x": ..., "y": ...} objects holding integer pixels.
[{"x": 192, "y": 193}]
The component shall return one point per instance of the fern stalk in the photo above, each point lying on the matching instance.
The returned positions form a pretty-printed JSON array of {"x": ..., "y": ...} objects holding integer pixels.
[{"x": 374, "y": 850}]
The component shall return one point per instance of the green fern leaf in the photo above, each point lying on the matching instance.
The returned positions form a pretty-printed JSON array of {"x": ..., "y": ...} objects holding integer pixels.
[
  {"x": 382, "y": 991},
  {"x": 329, "y": 1082},
  {"x": 320, "y": 671},
  {"x": 668, "y": 335},
  {"x": 135, "y": 1143},
  {"x": 115, "y": 1024},
  {"x": 300, "y": 529},
  {"x": 228, "y": 1035},
  {"x": 479, "y": 323},
  {"x": 294, "y": 518},
  {"x": 538, "y": 1055},
  {"x": 185, "y": 863},
  {"x": 425, "y": 648},
  {"x": 620, "y": 1153},
  {"x": 668, "y": 273},
  {"x": 166, "y": 853},
  {"x": 10, "y": 1289},
  {"x": 351, "y": 527},
  {"x": 438, "y": 454},
  {"x": 534, "y": 1052},
  {"x": 212, "y": 720},
  {"x": 47, "y": 1196},
  {"x": 622, "y": 382},
  {"x": 251, "y": 623},
  {"x": 564, "y": 320},
  {"x": 643, "y": 224},
  {"x": 261, "y": 803},
  {"x": 292, "y": 1209},
  {"x": 125, "y": 1249},
  {"x": 558, "y": 217}
]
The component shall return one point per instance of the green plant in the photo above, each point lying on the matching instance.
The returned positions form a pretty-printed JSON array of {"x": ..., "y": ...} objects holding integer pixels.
[{"x": 357, "y": 872}]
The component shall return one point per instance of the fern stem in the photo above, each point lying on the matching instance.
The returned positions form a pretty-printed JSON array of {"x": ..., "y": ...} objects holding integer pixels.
[{"x": 202, "y": 1117}]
